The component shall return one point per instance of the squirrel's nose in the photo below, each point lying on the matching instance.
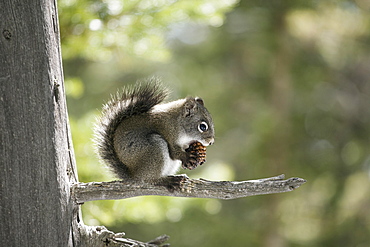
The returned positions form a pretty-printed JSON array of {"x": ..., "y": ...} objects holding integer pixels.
[{"x": 211, "y": 141}]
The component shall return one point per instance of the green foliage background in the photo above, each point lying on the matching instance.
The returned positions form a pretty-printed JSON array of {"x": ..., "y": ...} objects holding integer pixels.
[{"x": 288, "y": 85}]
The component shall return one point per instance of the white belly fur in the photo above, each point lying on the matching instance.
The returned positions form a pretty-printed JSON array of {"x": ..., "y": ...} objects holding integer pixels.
[{"x": 170, "y": 167}]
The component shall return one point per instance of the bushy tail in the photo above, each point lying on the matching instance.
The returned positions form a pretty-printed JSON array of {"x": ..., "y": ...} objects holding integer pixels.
[{"x": 137, "y": 100}]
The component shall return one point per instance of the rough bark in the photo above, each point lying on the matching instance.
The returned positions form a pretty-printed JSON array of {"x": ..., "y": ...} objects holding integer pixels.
[
  {"x": 36, "y": 157},
  {"x": 182, "y": 186}
]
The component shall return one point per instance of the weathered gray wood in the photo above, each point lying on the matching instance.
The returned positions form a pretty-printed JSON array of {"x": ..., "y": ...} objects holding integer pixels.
[
  {"x": 201, "y": 188},
  {"x": 99, "y": 236},
  {"x": 36, "y": 157}
]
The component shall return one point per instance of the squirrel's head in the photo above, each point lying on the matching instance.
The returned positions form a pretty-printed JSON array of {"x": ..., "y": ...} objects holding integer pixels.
[{"x": 198, "y": 124}]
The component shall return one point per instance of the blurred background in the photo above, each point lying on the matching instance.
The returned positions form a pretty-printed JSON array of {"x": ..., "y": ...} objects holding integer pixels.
[{"x": 288, "y": 85}]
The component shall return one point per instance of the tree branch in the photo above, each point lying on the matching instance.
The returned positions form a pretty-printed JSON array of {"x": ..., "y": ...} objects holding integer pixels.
[
  {"x": 100, "y": 236},
  {"x": 182, "y": 186}
]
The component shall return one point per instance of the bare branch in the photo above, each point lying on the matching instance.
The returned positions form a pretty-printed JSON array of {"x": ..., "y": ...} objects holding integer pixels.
[
  {"x": 182, "y": 186},
  {"x": 101, "y": 236}
]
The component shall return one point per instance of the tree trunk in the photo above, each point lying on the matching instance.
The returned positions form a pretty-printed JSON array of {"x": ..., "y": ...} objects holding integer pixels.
[{"x": 36, "y": 160}]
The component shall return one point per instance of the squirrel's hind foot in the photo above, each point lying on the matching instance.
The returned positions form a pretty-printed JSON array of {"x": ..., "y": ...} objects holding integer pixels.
[{"x": 173, "y": 183}]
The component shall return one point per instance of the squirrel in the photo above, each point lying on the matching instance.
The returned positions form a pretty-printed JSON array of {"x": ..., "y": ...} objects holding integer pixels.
[{"x": 143, "y": 139}]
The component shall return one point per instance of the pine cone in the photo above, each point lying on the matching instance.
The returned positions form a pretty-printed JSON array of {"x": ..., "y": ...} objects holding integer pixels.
[{"x": 197, "y": 155}]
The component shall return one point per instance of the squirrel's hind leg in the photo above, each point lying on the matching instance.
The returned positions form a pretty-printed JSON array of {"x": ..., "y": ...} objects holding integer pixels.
[
  {"x": 160, "y": 156},
  {"x": 146, "y": 155}
]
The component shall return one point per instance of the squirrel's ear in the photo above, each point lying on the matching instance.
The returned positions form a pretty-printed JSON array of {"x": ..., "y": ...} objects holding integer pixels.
[
  {"x": 190, "y": 106},
  {"x": 199, "y": 101}
]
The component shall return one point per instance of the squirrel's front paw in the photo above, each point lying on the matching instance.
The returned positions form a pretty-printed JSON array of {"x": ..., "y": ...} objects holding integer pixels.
[{"x": 195, "y": 156}]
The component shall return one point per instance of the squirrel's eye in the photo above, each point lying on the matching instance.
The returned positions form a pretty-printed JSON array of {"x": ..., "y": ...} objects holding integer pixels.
[{"x": 203, "y": 126}]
